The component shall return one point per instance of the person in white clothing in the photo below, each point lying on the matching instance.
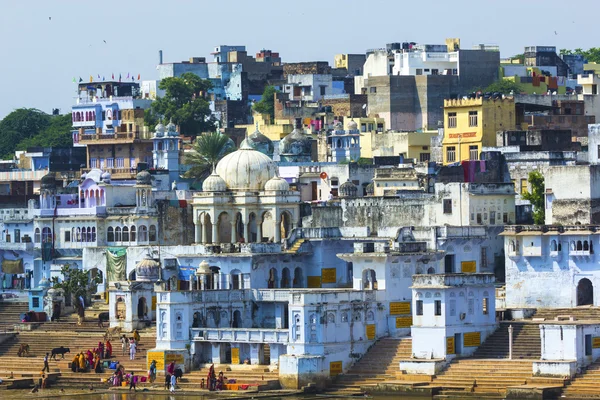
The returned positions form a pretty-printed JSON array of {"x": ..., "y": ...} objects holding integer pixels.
[
  {"x": 173, "y": 383},
  {"x": 132, "y": 348}
]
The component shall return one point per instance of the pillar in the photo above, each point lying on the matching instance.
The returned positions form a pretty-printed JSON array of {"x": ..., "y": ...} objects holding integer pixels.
[
  {"x": 205, "y": 233},
  {"x": 277, "y": 231},
  {"x": 259, "y": 233},
  {"x": 215, "y": 237},
  {"x": 256, "y": 354},
  {"x": 216, "y": 353},
  {"x": 233, "y": 232},
  {"x": 198, "y": 233}
]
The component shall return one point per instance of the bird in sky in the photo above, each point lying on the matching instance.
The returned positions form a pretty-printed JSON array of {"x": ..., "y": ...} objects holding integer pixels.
[
  {"x": 104, "y": 41},
  {"x": 556, "y": 33},
  {"x": 49, "y": 18}
]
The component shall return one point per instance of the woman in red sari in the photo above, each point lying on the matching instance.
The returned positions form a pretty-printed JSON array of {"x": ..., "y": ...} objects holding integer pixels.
[{"x": 108, "y": 349}]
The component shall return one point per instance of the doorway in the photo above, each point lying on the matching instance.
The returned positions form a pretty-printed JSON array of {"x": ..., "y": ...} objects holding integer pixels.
[
  {"x": 449, "y": 263},
  {"x": 585, "y": 292},
  {"x": 458, "y": 343}
]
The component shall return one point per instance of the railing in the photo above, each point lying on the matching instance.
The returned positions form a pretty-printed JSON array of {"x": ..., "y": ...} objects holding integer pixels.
[
  {"x": 460, "y": 231},
  {"x": 16, "y": 246},
  {"x": 243, "y": 335},
  {"x": 110, "y": 136},
  {"x": 114, "y": 171}
]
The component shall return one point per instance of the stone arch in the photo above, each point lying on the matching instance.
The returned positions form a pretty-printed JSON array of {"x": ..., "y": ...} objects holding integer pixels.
[
  {"x": 125, "y": 234},
  {"x": 369, "y": 279},
  {"x": 110, "y": 234},
  {"x": 252, "y": 235},
  {"x": 268, "y": 227},
  {"x": 132, "y": 233},
  {"x": 207, "y": 235},
  {"x": 224, "y": 228},
  {"x": 585, "y": 292},
  {"x": 143, "y": 233},
  {"x": 142, "y": 308},
  {"x": 118, "y": 236},
  {"x": 579, "y": 245},
  {"x": 586, "y": 246},
  {"x": 272, "y": 281},
  {"x": 298, "y": 278},
  {"x": 431, "y": 270},
  {"x": 240, "y": 235},
  {"x": 37, "y": 237},
  {"x": 120, "y": 308},
  {"x": 553, "y": 245},
  {"x": 236, "y": 322},
  {"x": 152, "y": 233},
  {"x": 285, "y": 278},
  {"x": 285, "y": 225}
]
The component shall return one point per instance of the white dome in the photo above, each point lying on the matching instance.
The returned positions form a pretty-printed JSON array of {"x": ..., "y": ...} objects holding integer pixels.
[
  {"x": 214, "y": 183},
  {"x": 352, "y": 125},
  {"x": 203, "y": 268},
  {"x": 277, "y": 184},
  {"x": 159, "y": 130},
  {"x": 246, "y": 169}
]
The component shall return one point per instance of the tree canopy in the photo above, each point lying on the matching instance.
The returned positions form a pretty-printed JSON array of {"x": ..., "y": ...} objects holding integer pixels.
[
  {"x": 536, "y": 197},
  {"x": 591, "y": 55},
  {"x": 266, "y": 105},
  {"x": 208, "y": 149},
  {"x": 184, "y": 103},
  {"x": 503, "y": 86},
  {"x": 28, "y": 127},
  {"x": 76, "y": 282}
]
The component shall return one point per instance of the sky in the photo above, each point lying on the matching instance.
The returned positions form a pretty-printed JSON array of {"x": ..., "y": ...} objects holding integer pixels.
[{"x": 45, "y": 44}]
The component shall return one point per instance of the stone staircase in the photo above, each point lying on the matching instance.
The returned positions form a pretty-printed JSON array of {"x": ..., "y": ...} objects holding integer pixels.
[
  {"x": 46, "y": 337},
  {"x": 248, "y": 376},
  {"x": 296, "y": 246},
  {"x": 381, "y": 363},
  {"x": 526, "y": 342},
  {"x": 11, "y": 313},
  {"x": 582, "y": 313},
  {"x": 584, "y": 385}
]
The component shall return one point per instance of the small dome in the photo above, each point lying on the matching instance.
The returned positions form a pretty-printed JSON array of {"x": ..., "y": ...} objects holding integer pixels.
[
  {"x": 338, "y": 126},
  {"x": 260, "y": 142},
  {"x": 44, "y": 283},
  {"x": 352, "y": 126},
  {"x": 203, "y": 268},
  {"x": 159, "y": 130},
  {"x": 172, "y": 129},
  {"x": 246, "y": 169},
  {"x": 348, "y": 189},
  {"x": 48, "y": 182},
  {"x": 105, "y": 177},
  {"x": 143, "y": 178},
  {"x": 370, "y": 189},
  {"x": 147, "y": 270},
  {"x": 277, "y": 184},
  {"x": 296, "y": 143},
  {"x": 214, "y": 183}
]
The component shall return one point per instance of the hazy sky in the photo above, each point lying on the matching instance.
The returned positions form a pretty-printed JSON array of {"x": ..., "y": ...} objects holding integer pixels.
[{"x": 40, "y": 56}]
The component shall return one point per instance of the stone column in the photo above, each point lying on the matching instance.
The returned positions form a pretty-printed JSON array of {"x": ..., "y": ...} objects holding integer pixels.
[
  {"x": 233, "y": 232},
  {"x": 277, "y": 231},
  {"x": 256, "y": 354},
  {"x": 205, "y": 233},
  {"x": 215, "y": 237},
  {"x": 198, "y": 233},
  {"x": 259, "y": 233},
  {"x": 216, "y": 353}
]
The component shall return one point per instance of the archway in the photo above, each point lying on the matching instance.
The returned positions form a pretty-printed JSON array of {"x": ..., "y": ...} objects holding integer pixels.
[
  {"x": 197, "y": 320},
  {"x": 142, "y": 308},
  {"x": 225, "y": 353},
  {"x": 252, "y": 229},
  {"x": 120, "y": 308},
  {"x": 239, "y": 228},
  {"x": 96, "y": 273},
  {"x": 369, "y": 278},
  {"x": 237, "y": 319},
  {"x": 207, "y": 225},
  {"x": 285, "y": 278},
  {"x": 285, "y": 224},
  {"x": 224, "y": 228},
  {"x": 272, "y": 282},
  {"x": 585, "y": 292},
  {"x": 268, "y": 227},
  {"x": 298, "y": 278}
]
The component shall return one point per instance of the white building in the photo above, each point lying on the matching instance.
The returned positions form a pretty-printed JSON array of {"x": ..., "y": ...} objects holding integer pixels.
[{"x": 309, "y": 87}]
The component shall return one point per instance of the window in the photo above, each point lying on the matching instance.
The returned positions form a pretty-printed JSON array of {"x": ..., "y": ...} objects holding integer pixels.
[
  {"x": 67, "y": 236},
  {"x": 152, "y": 233},
  {"x": 447, "y": 206},
  {"x": 93, "y": 163},
  {"x": 424, "y": 157},
  {"x": 35, "y": 301},
  {"x": 143, "y": 234},
  {"x": 110, "y": 163},
  {"x": 473, "y": 153},
  {"x": 483, "y": 261},
  {"x": 36, "y": 235},
  {"x": 17, "y": 236},
  {"x": 485, "y": 306},
  {"x": 322, "y": 90},
  {"x": 125, "y": 234},
  {"x": 479, "y": 218},
  {"x": 132, "y": 233},
  {"x": 452, "y": 120},
  {"x": 451, "y": 154},
  {"x": 372, "y": 90},
  {"x": 523, "y": 186},
  {"x": 438, "y": 307},
  {"x": 492, "y": 218},
  {"x": 120, "y": 162},
  {"x": 472, "y": 118},
  {"x": 505, "y": 218},
  {"x": 435, "y": 72},
  {"x": 419, "y": 307},
  {"x": 419, "y": 71}
]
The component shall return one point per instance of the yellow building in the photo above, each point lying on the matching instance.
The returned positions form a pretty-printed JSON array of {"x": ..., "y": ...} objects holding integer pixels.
[
  {"x": 470, "y": 124},
  {"x": 412, "y": 145},
  {"x": 276, "y": 131}
]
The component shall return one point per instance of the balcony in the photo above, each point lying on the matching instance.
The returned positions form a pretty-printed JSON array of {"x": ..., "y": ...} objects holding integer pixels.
[
  {"x": 116, "y": 173},
  {"x": 16, "y": 246},
  {"x": 241, "y": 335},
  {"x": 113, "y": 138}
]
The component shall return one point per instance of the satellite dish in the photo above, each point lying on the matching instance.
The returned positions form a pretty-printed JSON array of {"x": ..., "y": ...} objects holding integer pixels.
[{"x": 323, "y": 175}]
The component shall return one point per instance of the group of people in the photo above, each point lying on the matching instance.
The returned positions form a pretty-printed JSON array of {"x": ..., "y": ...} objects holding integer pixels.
[
  {"x": 171, "y": 376},
  {"x": 132, "y": 343},
  {"x": 92, "y": 359},
  {"x": 213, "y": 382}
]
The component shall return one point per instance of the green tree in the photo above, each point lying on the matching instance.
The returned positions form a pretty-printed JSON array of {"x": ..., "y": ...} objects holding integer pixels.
[
  {"x": 184, "y": 103},
  {"x": 591, "y": 55},
  {"x": 57, "y": 134},
  {"x": 207, "y": 150},
  {"x": 266, "y": 105},
  {"x": 76, "y": 282},
  {"x": 504, "y": 86},
  {"x": 536, "y": 197},
  {"x": 23, "y": 123},
  {"x": 520, "y": 57}
]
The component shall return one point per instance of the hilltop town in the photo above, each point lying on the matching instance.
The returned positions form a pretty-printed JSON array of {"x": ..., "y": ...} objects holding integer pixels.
[{"x": 417, "y": 219}]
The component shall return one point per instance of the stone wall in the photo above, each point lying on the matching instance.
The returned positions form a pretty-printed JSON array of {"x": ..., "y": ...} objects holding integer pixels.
[
  {"x": 306, "y": 68},
  {"x": 175, "y": 224}
]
